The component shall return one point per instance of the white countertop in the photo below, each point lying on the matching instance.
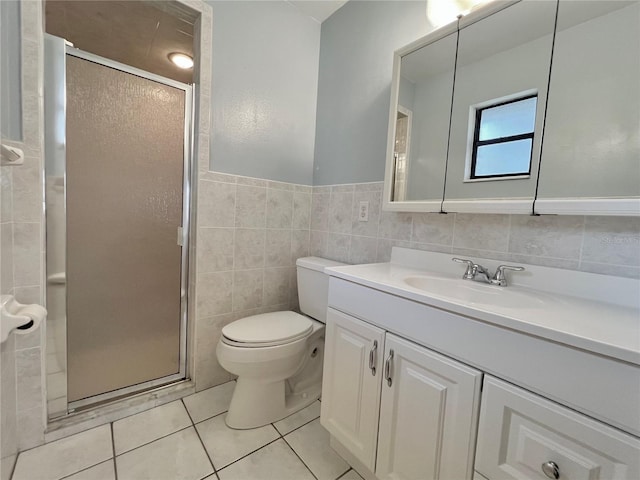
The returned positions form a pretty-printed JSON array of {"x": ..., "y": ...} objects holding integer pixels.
[{"x": 600, "y": 326}]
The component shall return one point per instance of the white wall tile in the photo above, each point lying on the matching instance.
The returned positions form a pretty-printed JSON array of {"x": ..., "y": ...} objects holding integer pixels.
[
  {"x": 279, "y": 208},
  {"x": 433, "y": 228},
  {"x": 214, "y": 293},
  {"x": 249, "y": 248},
  {"x": 278, "y": 248},
  {"x": 301, "y": 210},
  {"x": 370, "y": 227},
  {"x": 340, "y": 212},
  {"x": 320, "y": 211},
  {"x": 215, "y": 249},
  {"x": 481, "y": 232},
  {"x": 548, "y": 236},
  {"x": 612, "y": 240},
  {"x": 247, "y": 289},
  {"x": 216, "y": 204},
  {"x": 251, "y": 204}
]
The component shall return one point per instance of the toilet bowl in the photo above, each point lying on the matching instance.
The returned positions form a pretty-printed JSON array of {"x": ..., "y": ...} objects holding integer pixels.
[{"x": 278, "y": 356}]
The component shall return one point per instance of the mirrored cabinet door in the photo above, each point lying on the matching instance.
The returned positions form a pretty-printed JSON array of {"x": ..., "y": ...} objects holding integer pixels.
[
  {"x": 591, "y": 154},
  {"x": 419, "y": 156},
  {"x": 499, "y": 98}
]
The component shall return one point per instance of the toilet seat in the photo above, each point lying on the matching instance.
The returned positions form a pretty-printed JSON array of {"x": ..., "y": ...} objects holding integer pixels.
[{"x": 267, "y": 330}]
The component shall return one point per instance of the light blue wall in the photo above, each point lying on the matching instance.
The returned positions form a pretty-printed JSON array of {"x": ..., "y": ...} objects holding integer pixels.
[
  {"x": 10, "y": 90},
  {"x": 265, "y": 82},
  {"x": 356, "y": 56}
]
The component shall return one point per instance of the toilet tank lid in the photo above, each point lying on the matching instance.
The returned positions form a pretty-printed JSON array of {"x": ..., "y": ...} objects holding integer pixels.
[{"x": 317, "y": 263}]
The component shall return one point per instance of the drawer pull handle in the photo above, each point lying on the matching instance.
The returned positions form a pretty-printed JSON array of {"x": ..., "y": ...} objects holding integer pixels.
[
  {"x": 387, "y": 368},
  {"x": 551, "y": 470},
  {"x": 372, "y": 357}
]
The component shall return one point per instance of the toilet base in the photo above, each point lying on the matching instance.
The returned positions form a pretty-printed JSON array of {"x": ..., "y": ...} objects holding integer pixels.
[{"x": 255, "y": 404}]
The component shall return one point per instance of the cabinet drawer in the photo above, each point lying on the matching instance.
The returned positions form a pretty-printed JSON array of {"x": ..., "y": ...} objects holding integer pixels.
[{"x": 520, "y": 431}]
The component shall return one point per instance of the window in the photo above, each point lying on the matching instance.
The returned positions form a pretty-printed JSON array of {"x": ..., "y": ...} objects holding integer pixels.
[{"x": 503, "y": 139}]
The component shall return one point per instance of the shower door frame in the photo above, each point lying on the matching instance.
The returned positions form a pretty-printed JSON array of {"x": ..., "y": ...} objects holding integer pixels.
[{"x": 182, "y": 234}]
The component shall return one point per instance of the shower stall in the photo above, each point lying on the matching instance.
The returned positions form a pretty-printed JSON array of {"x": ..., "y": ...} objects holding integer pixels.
[{"x": 117, "y": 169}]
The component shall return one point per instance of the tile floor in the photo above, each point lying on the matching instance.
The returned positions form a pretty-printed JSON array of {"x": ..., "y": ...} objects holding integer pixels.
[{"x": 188, "y": 440}]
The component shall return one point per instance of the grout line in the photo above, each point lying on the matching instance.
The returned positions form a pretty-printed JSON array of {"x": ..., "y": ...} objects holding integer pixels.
[
  {"x": 253, "y": 451},
  {"x": 298, "y": 427},
  {"x": 350, "y": 469},
  {"x": 87, "y": 468},
  {"x": 296, "y": 454},
  {"x": 193, "y": 425},
  {"x": 153, "y": 441},
  {"x": 113, "y": 451}
]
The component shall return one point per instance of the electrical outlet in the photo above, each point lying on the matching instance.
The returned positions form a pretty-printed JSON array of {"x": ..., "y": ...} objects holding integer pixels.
[{"x": 363, "y": 212}]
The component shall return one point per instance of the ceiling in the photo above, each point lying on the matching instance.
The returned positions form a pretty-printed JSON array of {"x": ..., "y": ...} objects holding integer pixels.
[
  {"x": 137, "y": 33},
  {"x": 142, "y": 33},
  {"x": 319, "y": 10}
]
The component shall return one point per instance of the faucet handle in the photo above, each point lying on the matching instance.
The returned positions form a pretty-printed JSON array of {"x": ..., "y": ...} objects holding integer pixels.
[
  {"x": 499, "y": 278},
  {"x": 470, "y": 272}
]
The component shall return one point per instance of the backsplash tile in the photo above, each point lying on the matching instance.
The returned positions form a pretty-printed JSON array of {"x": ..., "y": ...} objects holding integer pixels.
[
  {"x": 607, "y": 245},
  {"x": 482, "y": 232},
  {"x": 612, "y": 240},
  {"x": 548, "y": 235},
  {"x": 433, "y": 228}
]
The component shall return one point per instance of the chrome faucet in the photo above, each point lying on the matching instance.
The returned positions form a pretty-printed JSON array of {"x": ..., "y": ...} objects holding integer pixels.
[{"x": 473, "y": 269}]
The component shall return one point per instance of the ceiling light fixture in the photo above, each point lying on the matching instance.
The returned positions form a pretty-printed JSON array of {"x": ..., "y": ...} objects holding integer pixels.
[{"x": 181, "y": 60}]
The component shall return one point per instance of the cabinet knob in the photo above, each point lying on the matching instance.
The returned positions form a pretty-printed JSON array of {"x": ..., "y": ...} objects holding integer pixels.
[{"x": 551, "y": 469}]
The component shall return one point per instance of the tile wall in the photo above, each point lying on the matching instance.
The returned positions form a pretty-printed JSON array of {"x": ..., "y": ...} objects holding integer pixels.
[
  {"x": 21, "y": 265},
  {"x": 250, "y": 233},
  {"x": 608, "y": 245}
]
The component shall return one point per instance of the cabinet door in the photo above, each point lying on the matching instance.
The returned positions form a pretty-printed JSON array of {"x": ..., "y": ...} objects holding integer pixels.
[
  {"x": 428, "y": 415},
  {"x": 350, "y": 389},
  {"x": 525, "y": 437}
]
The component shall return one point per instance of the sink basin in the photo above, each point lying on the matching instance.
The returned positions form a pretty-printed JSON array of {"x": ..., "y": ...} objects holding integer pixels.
[{"x": 475, "y": 293}]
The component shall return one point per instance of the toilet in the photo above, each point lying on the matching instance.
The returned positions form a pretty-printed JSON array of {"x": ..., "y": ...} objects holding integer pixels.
[{"x": 278, "y": 356}]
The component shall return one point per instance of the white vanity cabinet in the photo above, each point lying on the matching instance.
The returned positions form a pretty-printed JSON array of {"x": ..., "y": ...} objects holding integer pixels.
[
  {"x": 351, "y": 384},
  {"x": 478, "y": 392},
  {"x": 402, "y": 410},
  {"x": 523, "y": 436},
  {"x": 428, "y": 414}
]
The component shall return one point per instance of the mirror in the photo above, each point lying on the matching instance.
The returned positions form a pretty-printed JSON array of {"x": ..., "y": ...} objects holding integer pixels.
[
  {"x": 425, "y": 85},
  {"x": 592, "y": 138},
  {"x": 498, "y": 110}
]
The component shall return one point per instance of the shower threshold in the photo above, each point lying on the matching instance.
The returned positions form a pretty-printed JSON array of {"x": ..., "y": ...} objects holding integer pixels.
[{"x": 94, "y": 415}]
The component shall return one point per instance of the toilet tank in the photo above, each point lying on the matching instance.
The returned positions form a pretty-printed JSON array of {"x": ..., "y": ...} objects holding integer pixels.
[{"x": 313, "y": 286}]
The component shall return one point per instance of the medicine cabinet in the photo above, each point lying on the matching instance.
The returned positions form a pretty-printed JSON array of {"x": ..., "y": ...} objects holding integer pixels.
[{"x": 525, "y": 106}]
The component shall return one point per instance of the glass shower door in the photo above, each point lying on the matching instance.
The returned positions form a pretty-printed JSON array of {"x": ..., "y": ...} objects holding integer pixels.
[{"x": 126, "y": 166}]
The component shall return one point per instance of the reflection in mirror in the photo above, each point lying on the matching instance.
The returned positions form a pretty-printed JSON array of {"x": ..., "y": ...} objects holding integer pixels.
[
  {"x": 593, "y": 121},
  {"x": 401, "y": 151},
  {"x": 498, "y": 108},
  {"x": 422, "y": 123}
]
